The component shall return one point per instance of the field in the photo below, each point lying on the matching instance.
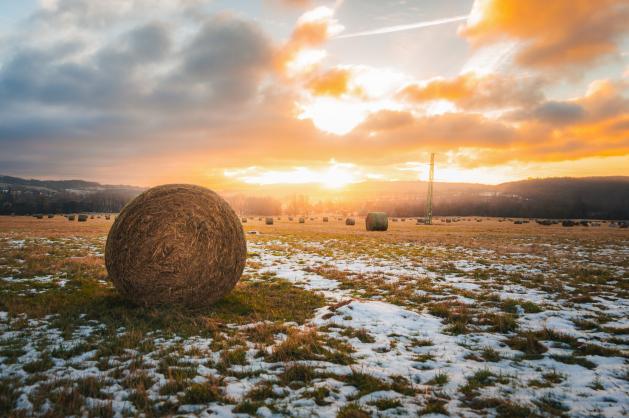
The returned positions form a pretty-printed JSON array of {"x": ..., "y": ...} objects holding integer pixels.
[{"x": 462, "y": 319}]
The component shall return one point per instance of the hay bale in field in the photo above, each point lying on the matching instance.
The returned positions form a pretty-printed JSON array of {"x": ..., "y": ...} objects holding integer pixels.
[
  {"x": 39, "y": 216},
  {"x": 350, "y": 221},
  {"x": 70, "y": 217},
  {"x": 82, "y": 218},
  {"x": 176, "y": 244},
  {"x": 568, "y": 223},
  {"x": 325, "y": 219},
  {"x": 243, "y": 220},
  {"x": 106, "y": 217},
  {"x": 50, "y": 216},
  {"x": 302, "y": 220},
  {"x": 290, "y": 218},
  {"x": 269, "y": 221},
  {"x": 377, "y": 221}
]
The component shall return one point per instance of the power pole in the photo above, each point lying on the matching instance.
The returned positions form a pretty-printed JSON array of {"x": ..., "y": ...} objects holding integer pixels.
[{"x": 431, "y": 179}]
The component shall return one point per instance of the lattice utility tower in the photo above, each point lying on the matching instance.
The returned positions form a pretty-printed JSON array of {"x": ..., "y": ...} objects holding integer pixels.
[{"x": 431, "y": 179}]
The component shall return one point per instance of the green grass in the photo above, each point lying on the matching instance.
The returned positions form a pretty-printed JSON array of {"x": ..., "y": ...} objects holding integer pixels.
[{"x": 353, "y": 410}]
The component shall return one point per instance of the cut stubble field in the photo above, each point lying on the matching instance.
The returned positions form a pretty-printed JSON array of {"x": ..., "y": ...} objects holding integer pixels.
[{"x": 461, "y": 319}]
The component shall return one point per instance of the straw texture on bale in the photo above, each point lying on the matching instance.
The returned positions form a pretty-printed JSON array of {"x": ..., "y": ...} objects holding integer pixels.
[
  {"x": 377, "y": 221},
  {"x": 176, "y": 244},
  {"x": 350, "y": 221},
  {"x": 82, "y": 218},
  {"x": 269, "y": 221}
]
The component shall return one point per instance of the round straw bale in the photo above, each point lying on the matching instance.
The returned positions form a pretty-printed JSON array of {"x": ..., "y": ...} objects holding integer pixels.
[
  {"x": 176, "y": 244},
  {"x": 82, "y": 218},
  {"x": 269, "y": 221},
  {"x": 325, "y": 219},
  {"x": 70, "y": 217},
  {"x": 350, "y": 221},
  {"x": 377, "y": 221},
  {"x": 243, "y": 220},
  {"x": 302, "y": 220}
]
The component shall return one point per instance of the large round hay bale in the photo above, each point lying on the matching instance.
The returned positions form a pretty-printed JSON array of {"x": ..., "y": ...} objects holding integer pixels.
[
  {"x": 82, "y": 218},
  {"x": 177, "y": 244},
  {"x": 269, "y": 221},
  {"x": 70, "y": 217},
  {"x": 377, "y": 221},
  {"x": 350, "y": 221}
]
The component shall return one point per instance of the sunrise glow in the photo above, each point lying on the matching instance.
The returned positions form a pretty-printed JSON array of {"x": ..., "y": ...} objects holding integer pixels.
[{"x": 499, "y": 90}]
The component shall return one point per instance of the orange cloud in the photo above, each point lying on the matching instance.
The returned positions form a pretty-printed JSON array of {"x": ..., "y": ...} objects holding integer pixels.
[
  {"x": 312, "y": 29},
  {"x": 333, "y": 82},
  {"x": 471, "y": 91},
  {"x": 551, "y": 33}
]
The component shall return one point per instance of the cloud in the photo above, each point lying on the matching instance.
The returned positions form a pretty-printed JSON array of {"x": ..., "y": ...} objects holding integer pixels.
[
  {"x": 312, "y": 30},
  {"x": 555, "y": 34},
  {"x": 472, "y": 91},
  {"x": 137, "y": 86}
]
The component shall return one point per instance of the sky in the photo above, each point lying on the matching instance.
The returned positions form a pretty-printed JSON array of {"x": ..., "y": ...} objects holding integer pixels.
[{"x": 244, "y": 92}]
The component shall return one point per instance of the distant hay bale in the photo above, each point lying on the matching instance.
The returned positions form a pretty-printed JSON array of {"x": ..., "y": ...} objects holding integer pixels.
[
  {"x": 568, "y": 223},
  {"x": 325, "y": 219},
  {"x": 176, "y": 244},
  {"x": 70, "y": 217},
  {"x": 302, "y": 220},
  {"x": 50, "y": 216},
  {"x": 38, "y": 216},
  {"x": 243, "y": 220},
  {"x": 350, "y": 221},
  {"x": 290, "y": 218},
  {"x": 377, "y": 221},
  {"x": 107, "y": 217},
  {"x": 269, "y": 221},
  {"x": 82, "y": 218}
]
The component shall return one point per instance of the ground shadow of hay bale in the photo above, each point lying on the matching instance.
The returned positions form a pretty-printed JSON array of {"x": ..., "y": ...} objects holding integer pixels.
[{"x": 176, "y": 244}]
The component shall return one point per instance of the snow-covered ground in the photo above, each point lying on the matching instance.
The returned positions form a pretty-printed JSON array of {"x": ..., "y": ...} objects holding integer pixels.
[{"x": 404, "y": 330}]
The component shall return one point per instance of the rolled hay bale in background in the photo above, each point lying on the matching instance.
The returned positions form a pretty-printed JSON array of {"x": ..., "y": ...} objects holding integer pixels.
[
  {"x": 269, "y": 221},
  {"x": 290, "y": 218},
  {"x": 377, "y": 221},
  {"x": 302, "y": 220},
  {"x": 176, "y": 244},
  {"x": 106, "y": 217},
  {"x": 38, "y": 216},
  {"x": 350, "y": 221},
  {"x": 50, "y": 216},
  {"x": 243, "y": 220},
  {"x": 325, "y": 219},
  {"x": 70, "y": 217},
  {"x": 82, "y": 218},
  {"x": 92, "y": 217}
]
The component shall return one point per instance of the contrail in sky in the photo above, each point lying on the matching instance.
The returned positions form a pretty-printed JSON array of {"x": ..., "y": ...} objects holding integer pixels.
[{"x": 399, "y": 28}]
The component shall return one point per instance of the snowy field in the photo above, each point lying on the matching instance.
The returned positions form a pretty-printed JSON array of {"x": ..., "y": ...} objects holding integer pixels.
[{"x": 466, "y": 319}]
